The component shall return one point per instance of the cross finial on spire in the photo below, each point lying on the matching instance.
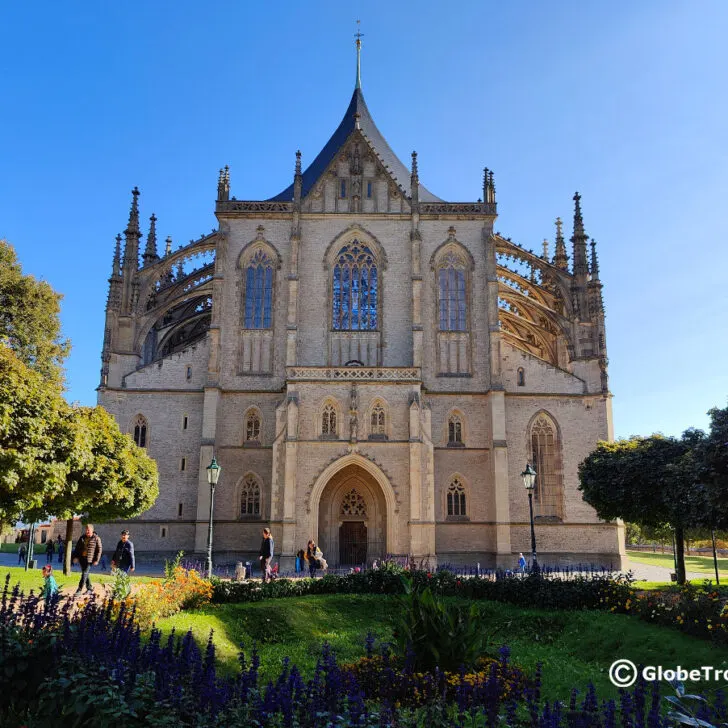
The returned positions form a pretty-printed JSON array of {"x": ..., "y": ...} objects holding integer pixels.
[{"x": 358, "y": 36}]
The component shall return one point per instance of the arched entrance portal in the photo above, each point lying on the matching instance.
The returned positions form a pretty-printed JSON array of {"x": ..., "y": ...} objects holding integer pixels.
[{"x": 352, "y": 518}]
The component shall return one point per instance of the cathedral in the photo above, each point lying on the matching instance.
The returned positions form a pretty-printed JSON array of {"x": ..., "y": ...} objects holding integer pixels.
[{"x": 371, "y": 366}]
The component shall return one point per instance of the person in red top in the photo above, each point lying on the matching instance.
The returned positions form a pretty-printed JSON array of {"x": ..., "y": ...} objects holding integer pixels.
[{"x": 87, "y": 554}]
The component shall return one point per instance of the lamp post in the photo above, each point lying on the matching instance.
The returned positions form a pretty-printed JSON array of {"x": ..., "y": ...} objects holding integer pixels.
[
  {"x": 213, "y": 473},
  {"x": 529, "y": 481}
]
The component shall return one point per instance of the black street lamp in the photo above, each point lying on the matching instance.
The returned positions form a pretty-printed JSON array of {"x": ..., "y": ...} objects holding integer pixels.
[
  {"x": 529, "y": 481},
  {"x": 213, "y": 473}
]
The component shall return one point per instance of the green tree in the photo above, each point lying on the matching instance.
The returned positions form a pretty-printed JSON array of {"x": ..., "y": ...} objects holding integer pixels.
[
  {"x": 31, "y": 423},
  {"x": 107, "y": 476},
  {"x": 29, "y": 318},
  {"x": 650, "y": 481}
]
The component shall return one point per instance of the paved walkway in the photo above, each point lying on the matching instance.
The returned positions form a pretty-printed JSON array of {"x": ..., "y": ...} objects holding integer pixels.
[{"x": 650, "y": 572}]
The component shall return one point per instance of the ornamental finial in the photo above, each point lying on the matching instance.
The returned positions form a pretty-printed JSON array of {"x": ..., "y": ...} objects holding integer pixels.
[{"x": 358, "y": 36}]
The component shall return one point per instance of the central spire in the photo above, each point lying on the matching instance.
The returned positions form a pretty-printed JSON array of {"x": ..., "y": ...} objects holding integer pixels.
[{"x": 358, "y": 36}]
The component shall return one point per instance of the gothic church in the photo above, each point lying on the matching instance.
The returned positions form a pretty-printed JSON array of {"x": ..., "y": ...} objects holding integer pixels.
[{"x": 371, "y": 365}]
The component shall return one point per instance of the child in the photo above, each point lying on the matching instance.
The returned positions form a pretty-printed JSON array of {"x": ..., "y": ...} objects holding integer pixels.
[{"x": 50, "y": 588}]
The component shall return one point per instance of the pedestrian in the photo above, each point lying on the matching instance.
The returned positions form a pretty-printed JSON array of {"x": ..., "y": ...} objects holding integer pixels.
[
  {"x": 299, "y": 562},
  {"x": 61, "y": 544},
  {"x": 123, "y": 557},
  {"x": 87, "y": 553},
  {"x": 50, "y": 550},
  {"x": 266, "y": 555},
  {"x": 50, "y": 588},
  {"x": 522, "y": 563},
  {"x": 315, "y": 558},
  {"x": 21, "y": 553}
]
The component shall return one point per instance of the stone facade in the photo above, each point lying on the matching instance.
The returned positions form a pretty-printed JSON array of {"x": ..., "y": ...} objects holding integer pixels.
[{"x": 371, "y": 366}]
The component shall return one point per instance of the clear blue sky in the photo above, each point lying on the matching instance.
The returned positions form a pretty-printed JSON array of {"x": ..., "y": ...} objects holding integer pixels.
[{"x": 624, "y": 101}]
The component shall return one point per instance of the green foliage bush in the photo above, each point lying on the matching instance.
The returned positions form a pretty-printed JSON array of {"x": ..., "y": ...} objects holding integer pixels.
[{"x": 436, "y": 633}]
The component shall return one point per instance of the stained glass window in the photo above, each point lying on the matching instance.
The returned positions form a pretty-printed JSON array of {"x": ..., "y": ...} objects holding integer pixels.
[
  {"x": 252, "y": 427},
  {"x": 452, "y": 293},
  {"x": 355, "y": 288},
  {"x": 258, "y": 291},
  {"x": 456, "y": 499}
]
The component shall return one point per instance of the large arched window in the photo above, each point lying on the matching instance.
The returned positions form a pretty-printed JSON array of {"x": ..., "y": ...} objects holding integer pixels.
[
  {"x": 355, "y": 289},
  {"x": 141, "y": 428},
  {"x": 250, "y": 497},
  {"x": 546, "y": 455},
  {"x": 258, "y": 291},
  {"x": 328, "y": 421},
  {"x": 456, "y": 504},
  {"x": 452, "y": 293}
]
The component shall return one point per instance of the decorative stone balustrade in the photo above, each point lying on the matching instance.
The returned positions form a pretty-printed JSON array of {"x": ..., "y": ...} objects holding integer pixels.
[{"x": 354, "y": 374}]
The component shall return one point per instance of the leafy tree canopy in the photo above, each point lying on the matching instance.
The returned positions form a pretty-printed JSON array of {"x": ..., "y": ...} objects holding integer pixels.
[{"x": 29, "y": 317}]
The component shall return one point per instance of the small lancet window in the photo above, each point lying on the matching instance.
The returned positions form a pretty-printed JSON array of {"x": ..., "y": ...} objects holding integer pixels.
[
  {"x": 454, "y": 431},
  {"x": 342, "y": 190},
  {"x": 252, "y": 427},
  {"x": 378, "y": 421},
  {"x": 140, "y": 431},
  {"x": 250, "y": 497},
  {"x": 258, "y": 291},
  {"x": 456, "y": 499},
  {"x": 369, "y": 190},
  {"x": 328, "y": 421},
  {"x": 521, "y": 377}
]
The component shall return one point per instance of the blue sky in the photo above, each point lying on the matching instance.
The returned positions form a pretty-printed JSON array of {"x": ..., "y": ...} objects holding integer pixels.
[{"x": 625, "y": 102}]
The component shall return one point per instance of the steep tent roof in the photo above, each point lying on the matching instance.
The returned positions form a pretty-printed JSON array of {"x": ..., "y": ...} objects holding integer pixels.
[{"x": 379, "y": 145}]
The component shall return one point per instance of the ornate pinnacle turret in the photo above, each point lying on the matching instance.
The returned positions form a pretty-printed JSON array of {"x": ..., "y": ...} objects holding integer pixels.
[
  {"x": 561, "y": 259},
  {"x": 488, "y": 187},
  {"x": 116, "y": 281},
  {"x": 168, "y": 246},
  {"x": 133, "y": 235},
  {"x": 297, "y": 180},
  {"x": 415, "y": 180},
  {"x": 545, "y": 255},
  {"x": 133, "y": 225},
  {"x": 116, "y": 265},
  {"x": 150, "y": 252},
  {"x": 594, "y": 261},
  {"x": 223, "y": 184},
  {"x": 579, "y": 239}
]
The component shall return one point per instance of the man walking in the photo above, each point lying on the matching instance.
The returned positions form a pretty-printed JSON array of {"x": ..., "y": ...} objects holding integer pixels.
[
  {"x": 87, "y": 553},
  {"x": 266, "y": 554},
  {"x": 123, "y": 557},
  {"x": 50, "y": 550}
]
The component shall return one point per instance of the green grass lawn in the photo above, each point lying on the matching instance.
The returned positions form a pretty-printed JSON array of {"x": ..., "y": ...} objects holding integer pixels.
[
  {"x": 575, "y": 648},
  {"x": 33, "y": 579},
  {"x": 698, "y": 564}
]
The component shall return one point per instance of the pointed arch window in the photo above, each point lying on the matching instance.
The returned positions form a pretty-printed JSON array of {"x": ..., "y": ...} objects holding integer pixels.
[
  {"x": 259, "y": 291},
  {"x": 546, "y": 458},
  {"x": 250, "y": 497},
  {"x": 355, "y": 289},
  {"x": 454, "y": 431},
  {"x": 252, "y": 427},
  {"x": 328, "y": 421},
  {"x": 456, "y": 503},
  {"x": 378, "y": 421},
  {"x": 521, "y": 377},
  {"x": 452, "y": 293},
  {"x": 141, "y": 428}
]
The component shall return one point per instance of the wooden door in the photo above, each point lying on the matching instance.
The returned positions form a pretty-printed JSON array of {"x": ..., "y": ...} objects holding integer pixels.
[{"x": 352, "y": 543}]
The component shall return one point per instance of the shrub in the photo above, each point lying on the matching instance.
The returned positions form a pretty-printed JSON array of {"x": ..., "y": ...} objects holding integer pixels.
[{"x": 436, "y": 633}]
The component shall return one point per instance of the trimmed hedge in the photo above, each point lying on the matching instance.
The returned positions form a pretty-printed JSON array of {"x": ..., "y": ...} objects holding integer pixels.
[{"x": 547, "y": 593}]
